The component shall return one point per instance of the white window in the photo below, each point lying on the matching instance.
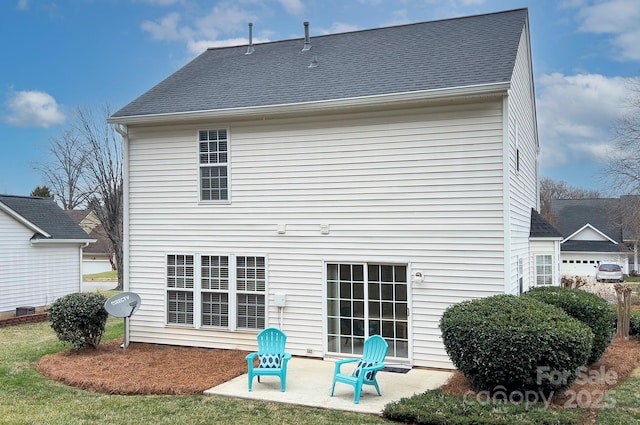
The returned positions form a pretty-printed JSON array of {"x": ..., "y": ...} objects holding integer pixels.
[
  {"x": 180, "y": 279},
  {"x": 227, "y": 297},
  {"x": 544, "y": 270},
  {"x": 214, "y": 165}
]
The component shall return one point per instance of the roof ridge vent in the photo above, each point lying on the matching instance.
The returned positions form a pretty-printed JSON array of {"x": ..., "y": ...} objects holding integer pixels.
[
  {"x": 250, "y": 48},
  {"x": 307, "y": 40}
]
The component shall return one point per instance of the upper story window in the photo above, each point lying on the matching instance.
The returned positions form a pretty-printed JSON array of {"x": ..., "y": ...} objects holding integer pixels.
[{"x": 214, "y": 165}]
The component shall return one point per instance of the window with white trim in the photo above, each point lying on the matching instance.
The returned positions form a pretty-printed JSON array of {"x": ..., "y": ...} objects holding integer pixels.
[
  {"x": 180, "y": 279},
  {"x": 227, "y": 297},
  {"x": 214, "y": 165},
  {"x": 544, "y": 269}
]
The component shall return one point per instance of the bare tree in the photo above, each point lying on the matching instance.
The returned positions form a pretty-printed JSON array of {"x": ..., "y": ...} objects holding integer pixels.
[
  {"x": 623, "y": 167},
  {"x": 103, "y": 150},
  {"x": 553, "y": 189},
  {"x": 65, "y": 172}
]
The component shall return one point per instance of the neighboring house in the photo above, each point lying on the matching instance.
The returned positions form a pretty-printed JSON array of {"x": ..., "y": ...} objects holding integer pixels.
[
  {"x": 335, "y": 187},
  {"x": 98, "y": 257},
  {"x": 595, "y": 231},
  {"x": 40, "y": 252}
]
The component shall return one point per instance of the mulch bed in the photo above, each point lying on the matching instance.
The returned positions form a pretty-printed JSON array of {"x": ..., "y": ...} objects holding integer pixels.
[
  {"x": 621, "y": 358},
  {"x": 161, "y": 369},
  {"x": 144, "y": 368}
]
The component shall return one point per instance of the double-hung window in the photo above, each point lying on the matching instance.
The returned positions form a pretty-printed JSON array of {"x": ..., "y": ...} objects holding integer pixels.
[
  {"x": 544, "y": 269},
  {"x": 231, "y": 292},
  {"x": 214, "y": 165}
]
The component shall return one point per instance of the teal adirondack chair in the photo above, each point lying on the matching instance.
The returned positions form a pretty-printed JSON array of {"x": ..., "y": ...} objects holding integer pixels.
[
  {"x": 273, "y": 359},
  {"x": 372, "y": 361}
]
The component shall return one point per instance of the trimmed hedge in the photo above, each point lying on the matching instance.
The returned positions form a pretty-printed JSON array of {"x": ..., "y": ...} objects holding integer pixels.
[
  {"x": 510, "y": 343},
  {"x": 586, "y": 307},
  {"x": 435, "y": 408},
  {"x": 634, "y": 325},
  {"x": 79, "y": 318}
]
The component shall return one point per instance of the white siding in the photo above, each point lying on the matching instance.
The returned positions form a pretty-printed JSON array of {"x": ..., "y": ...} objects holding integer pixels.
[
  {"x": 522, "y": 184},
  {"x": 545, "y": 247},
  {"x": 34, "y": 275},
  {"x": 419, "y": 186}
]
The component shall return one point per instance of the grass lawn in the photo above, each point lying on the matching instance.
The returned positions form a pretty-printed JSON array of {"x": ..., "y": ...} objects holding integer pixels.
[
  {"x": 30, "y": 398},
  {"x": 101, "y": 277}
]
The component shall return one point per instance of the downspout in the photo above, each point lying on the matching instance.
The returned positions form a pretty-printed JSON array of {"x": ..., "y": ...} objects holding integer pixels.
[
  {"x": 506, "y": 204},
  {"x": 124, "y": 133},
  {"x": 83, "y": 246}
]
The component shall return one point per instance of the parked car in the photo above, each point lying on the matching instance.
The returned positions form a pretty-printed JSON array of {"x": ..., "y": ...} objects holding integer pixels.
[{"x": 609, "y": 272}]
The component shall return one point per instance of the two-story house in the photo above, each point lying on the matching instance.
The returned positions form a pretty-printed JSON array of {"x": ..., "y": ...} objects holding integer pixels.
[{"x": 335, "y": 187}]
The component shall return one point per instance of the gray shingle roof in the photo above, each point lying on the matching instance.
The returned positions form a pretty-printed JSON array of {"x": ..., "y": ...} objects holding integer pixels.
[
  {"x": 459, "y": 52},
  {"x": 541, "y": 228},
  {"x": 592, "y": 246},
  {"x": 571, "y": 215},
  {"x": 46, "y": 215}
]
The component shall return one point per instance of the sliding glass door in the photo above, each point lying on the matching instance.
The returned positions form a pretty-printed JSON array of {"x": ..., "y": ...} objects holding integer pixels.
[{"x": 365, "y": 299}]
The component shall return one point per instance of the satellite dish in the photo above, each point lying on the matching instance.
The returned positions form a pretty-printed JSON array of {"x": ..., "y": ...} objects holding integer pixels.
[{"x": 123, "y": 304}]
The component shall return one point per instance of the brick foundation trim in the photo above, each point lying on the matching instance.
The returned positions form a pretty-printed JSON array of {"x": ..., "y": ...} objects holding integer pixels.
[{"x": 19, "y": 320}]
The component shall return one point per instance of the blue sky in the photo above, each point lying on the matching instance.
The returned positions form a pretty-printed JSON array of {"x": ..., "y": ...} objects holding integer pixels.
[{"x": 61, "y": 54}]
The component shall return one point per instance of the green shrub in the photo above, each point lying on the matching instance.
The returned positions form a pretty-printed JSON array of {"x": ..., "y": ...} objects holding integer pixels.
[
  {"x": 434, "y": 407},
  {"x": 515, "y": 343},
  {"x": 79, "y": 319},
  {"x": 634, "y": 323},
  {"x": 588, "y": 308}
]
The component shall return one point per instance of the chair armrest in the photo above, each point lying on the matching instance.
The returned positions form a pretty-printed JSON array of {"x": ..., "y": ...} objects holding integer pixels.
[
  {"x": 250, "y": 357},
  {"x": 375, "y": 368},
  {"x": 339, "y": 363},
  {"x": 285, "y": 358}
]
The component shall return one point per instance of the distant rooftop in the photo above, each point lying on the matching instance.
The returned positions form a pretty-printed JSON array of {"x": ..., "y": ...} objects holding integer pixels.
[{"x": 45, "y": 214}]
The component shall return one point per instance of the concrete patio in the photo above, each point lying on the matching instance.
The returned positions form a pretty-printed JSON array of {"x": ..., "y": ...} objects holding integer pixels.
[{"x": 309, "y": 384}]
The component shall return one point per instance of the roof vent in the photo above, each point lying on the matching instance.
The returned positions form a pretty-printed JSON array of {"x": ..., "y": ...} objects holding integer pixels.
[
  {"x": 314, "y": 62},
  {"x": 307, "y": 40},
  {"x": 250, "y": 48}
]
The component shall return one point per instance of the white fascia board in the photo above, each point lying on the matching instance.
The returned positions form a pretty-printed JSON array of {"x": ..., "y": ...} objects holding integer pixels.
[
  {"x": 62, "y": 241},
  {"x": 533, "y": 238},
  {"x": 23, "y": 220},
  {"x": 588, "y": 226},
  {"x": 322, "y": 105}
]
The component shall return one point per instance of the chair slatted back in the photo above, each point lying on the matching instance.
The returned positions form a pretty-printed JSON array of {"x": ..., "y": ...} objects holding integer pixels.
[
  {"x": 271, "y": 341},
  {"x": 374, "y": 352}
]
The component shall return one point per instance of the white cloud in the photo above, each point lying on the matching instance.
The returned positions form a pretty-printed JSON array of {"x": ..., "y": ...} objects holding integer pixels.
[
  {"x": 338, "y": 27},
  {"x": 33, "y": 109},
  {"x": 22, "y": 5},
  {"x": 577, "y": 115},
  {"x": 217, "y": 28},
  {"x": 224, "y": 19},
  {"x": 619, "y": 18},
  {"x": 293, "y": 7},
  {"x": 165, "y": 29}
]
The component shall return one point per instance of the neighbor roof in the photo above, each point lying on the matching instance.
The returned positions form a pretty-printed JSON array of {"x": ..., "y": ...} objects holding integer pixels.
[
  {"x": 453, "y": 53},
  {"x": 46, "y": 215},
  {"x": 570, "y": 215}
]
